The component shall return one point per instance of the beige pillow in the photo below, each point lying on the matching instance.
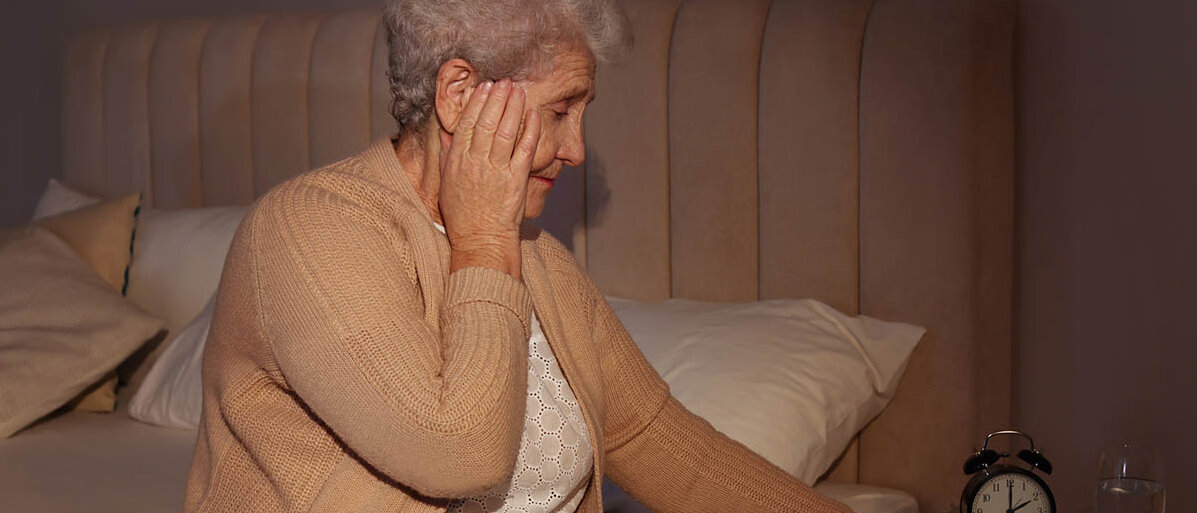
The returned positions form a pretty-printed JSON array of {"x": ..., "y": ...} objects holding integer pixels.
[
  {"x": 102, "y": 233},
  {"x": 62, "y": 327}
]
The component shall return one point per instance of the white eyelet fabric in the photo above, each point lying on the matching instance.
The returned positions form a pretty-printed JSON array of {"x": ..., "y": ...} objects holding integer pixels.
[{"x": 555, "y": 463}]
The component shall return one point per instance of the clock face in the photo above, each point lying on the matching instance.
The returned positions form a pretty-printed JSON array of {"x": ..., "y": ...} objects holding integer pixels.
[{"x": 1008, "y": 492}]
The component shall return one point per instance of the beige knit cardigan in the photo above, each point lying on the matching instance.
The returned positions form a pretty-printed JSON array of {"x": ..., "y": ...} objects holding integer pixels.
[{"x": 348, "y": 371}]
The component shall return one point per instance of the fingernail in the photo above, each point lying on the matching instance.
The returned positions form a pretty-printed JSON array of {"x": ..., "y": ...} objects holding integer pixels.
[{"x": 487, "y": 85}]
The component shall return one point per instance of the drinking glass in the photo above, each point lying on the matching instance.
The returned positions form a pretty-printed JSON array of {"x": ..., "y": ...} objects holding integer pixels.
[{"x": 1130, "y": 479}]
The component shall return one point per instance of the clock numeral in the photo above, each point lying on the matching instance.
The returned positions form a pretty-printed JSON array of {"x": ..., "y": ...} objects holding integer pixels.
[{"x": 992, "y": 492}]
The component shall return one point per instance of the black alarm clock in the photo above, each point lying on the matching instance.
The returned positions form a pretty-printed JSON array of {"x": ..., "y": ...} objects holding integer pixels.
[{"x": 1005, "y": 488}]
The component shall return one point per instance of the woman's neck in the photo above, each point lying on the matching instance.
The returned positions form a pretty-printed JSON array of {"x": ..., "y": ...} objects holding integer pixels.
[{"x": 420, "y": 157}]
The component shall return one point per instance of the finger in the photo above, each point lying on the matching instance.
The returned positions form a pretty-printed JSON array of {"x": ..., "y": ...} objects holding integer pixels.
[
  {"x": 488, "y": 119},
  {"x": 525, "y": 150},
  {"x": 469, "y": 116},
  {"x": 509, "y": 128}
]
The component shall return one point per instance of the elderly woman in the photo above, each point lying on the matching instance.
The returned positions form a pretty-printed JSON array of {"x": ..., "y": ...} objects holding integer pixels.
[{"x": 390, "y": 335}]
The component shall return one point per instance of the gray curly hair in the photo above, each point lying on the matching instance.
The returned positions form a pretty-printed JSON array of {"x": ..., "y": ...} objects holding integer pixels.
[{"x": 500, "y": 38}]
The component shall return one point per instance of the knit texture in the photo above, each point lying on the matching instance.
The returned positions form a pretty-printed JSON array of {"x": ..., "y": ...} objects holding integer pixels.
[
  {"x": 554, "y": 464},
  {"x": 348, "y": 370}
]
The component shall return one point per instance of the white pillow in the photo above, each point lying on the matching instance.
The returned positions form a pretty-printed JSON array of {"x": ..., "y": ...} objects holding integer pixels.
[
  {"x": 178, "y": 256},
  {"x": 794, "y": 380},
  {"x": 172, "y": 394},
  {"x": 58, "y": 199}
]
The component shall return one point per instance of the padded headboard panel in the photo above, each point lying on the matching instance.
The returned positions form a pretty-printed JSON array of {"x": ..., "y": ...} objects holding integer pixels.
[{"x": 855, "y": 151}]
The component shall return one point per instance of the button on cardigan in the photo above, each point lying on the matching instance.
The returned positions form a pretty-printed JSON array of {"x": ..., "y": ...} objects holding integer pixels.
[{"x": 348, "y": 370}]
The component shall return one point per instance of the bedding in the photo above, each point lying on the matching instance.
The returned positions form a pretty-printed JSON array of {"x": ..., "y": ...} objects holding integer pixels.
[
  {"x": 177, "y": 257},
  {"x": 62, "y": 328},
  {"x": 794, "y": 380},
  {"x": 860, "y": 498},
  {"x": 171, "y": 395},
  {"x": 59, "y": 198},
  {"x": 114, "y": 463},
  {"x": 101, "y": 233},
  {"x": 81, "y": 462},
  {"x": 178, "y": 253},
  {"x": 870, "y": 499}
]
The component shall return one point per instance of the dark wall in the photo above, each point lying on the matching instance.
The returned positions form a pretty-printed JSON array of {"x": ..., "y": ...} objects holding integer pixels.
[
  {"x": 1107, "y": 161},
  {"x": 28, "y": 101}
]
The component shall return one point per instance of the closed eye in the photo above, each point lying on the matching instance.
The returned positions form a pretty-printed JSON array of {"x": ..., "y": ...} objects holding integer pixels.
[{"x": 560, "y": 108}]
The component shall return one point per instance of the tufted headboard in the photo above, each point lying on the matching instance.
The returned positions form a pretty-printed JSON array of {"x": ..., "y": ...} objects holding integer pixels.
[{"x": 855, "y": 151}]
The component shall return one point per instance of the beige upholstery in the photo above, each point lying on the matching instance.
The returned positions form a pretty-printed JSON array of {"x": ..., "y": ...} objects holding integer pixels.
[
  {"x": 936, "y": 208},
  {"x": 809, "y": 163},
  {"x": 855, "y": 151},
  {"x": 79, "y": 461}
]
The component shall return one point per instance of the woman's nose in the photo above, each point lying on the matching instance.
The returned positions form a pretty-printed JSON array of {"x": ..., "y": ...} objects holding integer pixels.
[{"x": 573, "y": 147}]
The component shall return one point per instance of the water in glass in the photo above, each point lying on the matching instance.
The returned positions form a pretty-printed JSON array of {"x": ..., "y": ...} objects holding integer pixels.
[{"x": 1130, "y": 496}]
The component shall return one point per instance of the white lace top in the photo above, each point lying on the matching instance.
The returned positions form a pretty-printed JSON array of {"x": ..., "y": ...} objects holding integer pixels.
[{"x": 555, "y": 462}]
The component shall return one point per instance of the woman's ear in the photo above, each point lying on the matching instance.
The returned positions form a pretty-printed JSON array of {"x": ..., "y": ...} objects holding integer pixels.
[{"x": 455, "y": 82}]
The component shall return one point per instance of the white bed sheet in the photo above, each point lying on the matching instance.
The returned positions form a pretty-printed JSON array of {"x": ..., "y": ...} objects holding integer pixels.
[
  {"x": 95, "y": 463},
  {"x": 870, "y": 499},
  {"x": 861, "y": 498}
]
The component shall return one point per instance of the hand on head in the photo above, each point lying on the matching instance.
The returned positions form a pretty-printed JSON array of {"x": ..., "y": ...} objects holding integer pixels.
[{"x": 484, "y": 178}]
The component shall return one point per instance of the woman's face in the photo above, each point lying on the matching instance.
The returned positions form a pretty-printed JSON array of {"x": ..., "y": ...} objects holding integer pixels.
[{"x": 560, "y": 97}]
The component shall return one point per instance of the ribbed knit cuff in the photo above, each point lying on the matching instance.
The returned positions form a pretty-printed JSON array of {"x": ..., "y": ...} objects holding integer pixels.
[{"x": 483, "y": 284}]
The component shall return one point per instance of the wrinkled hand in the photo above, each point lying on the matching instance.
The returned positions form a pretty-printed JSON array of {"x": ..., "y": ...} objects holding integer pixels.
[{"x": 484, "y": 178}]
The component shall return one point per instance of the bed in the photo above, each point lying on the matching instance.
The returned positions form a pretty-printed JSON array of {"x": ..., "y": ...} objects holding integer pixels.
[{"x": 858, "y": 152}]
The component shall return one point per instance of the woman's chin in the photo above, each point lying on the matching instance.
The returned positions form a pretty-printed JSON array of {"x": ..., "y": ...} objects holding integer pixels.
[
  {"x": 535, "y": 200},
  {"x": 533, "y": 213},
  {"x": 533, "y": 208}
]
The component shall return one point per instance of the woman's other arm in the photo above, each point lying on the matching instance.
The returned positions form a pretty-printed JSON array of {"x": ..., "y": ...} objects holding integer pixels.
[{"x": 672, "y": 460}]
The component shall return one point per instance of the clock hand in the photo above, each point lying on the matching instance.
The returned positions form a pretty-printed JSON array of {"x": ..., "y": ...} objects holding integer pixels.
[
  {"x": 1010, "y": 497},
  {"x": 1020, "y": 506}
]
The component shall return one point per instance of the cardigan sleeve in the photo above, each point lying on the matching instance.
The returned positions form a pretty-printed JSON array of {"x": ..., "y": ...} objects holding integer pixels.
[
  {"x": 672, "y": 460},
  {"x": 339, "y": 304}
]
